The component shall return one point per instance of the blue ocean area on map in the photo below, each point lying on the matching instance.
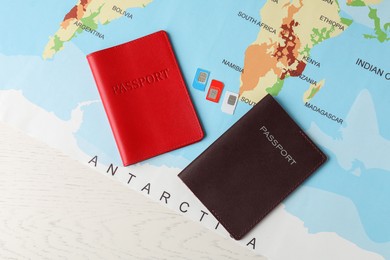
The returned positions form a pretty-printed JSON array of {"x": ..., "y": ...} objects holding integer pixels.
[
  {"x": 20, "y": 38},
  {"x": 344, "y": 81},
  {"x": 51, "y": 79},
  {"x": 362, "y": 220}
]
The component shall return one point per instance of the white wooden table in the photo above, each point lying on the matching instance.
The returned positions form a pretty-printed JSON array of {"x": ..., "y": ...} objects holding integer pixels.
[{"x": 52, "y": 207}]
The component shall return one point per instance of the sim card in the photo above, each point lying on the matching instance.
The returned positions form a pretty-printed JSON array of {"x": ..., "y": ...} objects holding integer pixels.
[
  {"x": 215, "y": 91},
  {"x": 229, "y": 102},
  {"x": 201, "y": 78}
]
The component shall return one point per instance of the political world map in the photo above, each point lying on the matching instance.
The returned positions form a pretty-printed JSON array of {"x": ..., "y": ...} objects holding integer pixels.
[{"x": 325, "y": 61}]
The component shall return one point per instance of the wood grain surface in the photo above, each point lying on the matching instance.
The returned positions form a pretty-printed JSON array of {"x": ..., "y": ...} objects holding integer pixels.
[{"x": 52, "y": 207}]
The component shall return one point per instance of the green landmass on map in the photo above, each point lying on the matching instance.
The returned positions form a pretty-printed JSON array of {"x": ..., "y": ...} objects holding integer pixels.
[
  {"x": 313, "y": 93},
  {"x": 276, "y": 88},
  {"x": 89, "y": 21},
  {"x": 57, "y": 43},
  {"x": 356, "y": 3},
  {"x": 306, "y": 51},
  {"x": 320, "y": 35},
  {"x": 380, "y": 34},
  {"x": 346, "y": 21}
]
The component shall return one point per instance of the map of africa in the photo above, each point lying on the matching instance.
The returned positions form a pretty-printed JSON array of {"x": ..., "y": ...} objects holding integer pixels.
[{"x": 325, "y": 61}]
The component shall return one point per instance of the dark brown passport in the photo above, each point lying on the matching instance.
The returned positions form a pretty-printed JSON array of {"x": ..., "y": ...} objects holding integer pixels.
[{"x": 252, "y": 167}]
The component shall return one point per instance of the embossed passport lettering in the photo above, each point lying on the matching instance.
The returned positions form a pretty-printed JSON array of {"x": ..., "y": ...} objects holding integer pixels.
[
  {"x": 145, "y": 98},
  {"x": 252, "y": 167}
]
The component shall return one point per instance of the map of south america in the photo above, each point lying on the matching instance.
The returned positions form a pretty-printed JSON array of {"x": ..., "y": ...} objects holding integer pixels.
[{"x": 85, "y": 16}]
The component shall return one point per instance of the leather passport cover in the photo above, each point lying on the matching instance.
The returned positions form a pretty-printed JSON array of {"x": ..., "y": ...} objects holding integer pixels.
[
  {"x": 145, "y": 97},
  {"x": 252, "y": 167}
]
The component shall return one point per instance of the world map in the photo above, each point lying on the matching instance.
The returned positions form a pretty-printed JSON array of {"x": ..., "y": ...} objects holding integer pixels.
[{"x": 325, "y": 61}]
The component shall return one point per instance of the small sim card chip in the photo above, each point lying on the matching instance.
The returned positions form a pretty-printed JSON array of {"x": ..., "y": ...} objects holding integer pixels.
[
  {"x": 213, "y": 94},
  {"x": 229, "y": 102},
  {"x": 201, "y": 78},
  {"x": 215, "y": 91}
]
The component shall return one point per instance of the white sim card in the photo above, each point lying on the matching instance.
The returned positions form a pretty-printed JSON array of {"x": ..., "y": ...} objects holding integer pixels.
[{"x": 229, "y": 102}]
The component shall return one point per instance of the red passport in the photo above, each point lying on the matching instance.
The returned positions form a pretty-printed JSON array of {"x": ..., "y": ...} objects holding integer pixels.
[{"x": 145, "y": 97}]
